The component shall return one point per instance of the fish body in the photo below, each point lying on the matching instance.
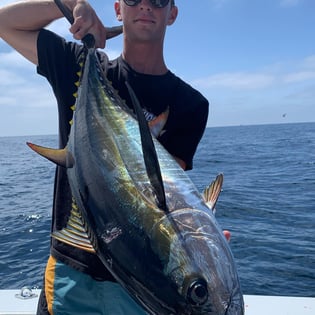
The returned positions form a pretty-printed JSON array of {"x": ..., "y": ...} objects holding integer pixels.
[{"x": 172, "y": 260}]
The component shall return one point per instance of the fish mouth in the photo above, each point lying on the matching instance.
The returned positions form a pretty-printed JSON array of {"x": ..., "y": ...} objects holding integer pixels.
[{"x": 235, "y": 308}]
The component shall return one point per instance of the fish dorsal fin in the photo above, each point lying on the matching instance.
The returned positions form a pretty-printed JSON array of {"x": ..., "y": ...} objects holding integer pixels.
[
  {"x": 75, "y": 233},
  {"x": 212, "y": 192},
  {"x": 149, "y": 153},
  {"x": 61, "y": 157}
]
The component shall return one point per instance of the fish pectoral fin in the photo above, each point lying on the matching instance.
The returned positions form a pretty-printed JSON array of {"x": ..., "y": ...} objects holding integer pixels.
[
  {"x": 149, "y": 153},
  {"x": 61, "y": 157},
  {"x": 157, "y": 124},
  {"x": 212, "y": 192},
  {"x": 75, "y": 233}
]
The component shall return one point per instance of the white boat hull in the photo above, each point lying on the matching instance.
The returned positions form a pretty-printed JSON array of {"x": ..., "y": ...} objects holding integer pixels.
[{"x": 12, "y": 304}]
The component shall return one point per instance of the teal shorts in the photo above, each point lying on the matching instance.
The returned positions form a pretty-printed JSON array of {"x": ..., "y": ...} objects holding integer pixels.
[{"x": 69, "y": 292}]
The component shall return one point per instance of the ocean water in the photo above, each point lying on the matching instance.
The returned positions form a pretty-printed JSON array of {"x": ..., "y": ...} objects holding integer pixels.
[{"x": 267, "y": 202}]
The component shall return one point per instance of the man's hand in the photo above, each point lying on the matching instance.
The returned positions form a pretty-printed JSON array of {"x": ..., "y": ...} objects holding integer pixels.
[
  {"x": 87, "y": 22},
  {"x": 227, "y": 235}
]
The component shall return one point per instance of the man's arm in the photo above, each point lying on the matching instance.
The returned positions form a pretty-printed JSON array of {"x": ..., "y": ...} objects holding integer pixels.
[{"x": 21, "y": 22}]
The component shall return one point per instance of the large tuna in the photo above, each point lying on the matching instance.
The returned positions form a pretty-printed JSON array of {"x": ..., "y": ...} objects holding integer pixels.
[{"x": 140, "y": 212}]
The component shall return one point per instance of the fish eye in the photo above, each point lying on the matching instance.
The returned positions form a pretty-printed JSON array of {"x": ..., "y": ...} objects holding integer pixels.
[{"x": 197, "y": 292}]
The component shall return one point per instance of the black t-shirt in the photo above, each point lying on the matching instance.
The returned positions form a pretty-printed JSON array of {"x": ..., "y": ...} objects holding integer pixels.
[{"x": 59, "y": 61}]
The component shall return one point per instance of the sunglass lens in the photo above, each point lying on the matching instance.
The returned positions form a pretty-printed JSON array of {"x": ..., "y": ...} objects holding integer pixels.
[
  {"x": 132, "y": 3},
  {"x": 159, "y": 3},
  {"x": 155, "y": 3}
]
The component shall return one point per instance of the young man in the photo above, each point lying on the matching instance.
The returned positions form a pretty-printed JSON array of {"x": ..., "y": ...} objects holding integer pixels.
[{"x": 74, "y": 278}]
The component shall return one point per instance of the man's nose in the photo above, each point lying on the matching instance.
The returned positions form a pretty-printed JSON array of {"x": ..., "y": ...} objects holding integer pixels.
[{"x": 145, "y": 5}]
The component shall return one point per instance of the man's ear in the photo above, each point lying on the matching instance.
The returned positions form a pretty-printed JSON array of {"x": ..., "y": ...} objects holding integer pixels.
[
  {"x": 117, "y": 10},
  {"x": 173, "y": 15}
]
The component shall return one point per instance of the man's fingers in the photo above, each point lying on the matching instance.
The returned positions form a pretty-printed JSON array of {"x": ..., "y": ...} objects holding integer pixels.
[{"x": 227, "y": 235}]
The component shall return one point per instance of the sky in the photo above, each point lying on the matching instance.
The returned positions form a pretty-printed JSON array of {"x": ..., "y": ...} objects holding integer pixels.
[{"x": 254, "y": 60}]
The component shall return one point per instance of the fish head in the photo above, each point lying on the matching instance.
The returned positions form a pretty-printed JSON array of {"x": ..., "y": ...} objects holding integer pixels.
[
  {"x": 202, "y": 297},
  {"x": 198, "y": 260}
]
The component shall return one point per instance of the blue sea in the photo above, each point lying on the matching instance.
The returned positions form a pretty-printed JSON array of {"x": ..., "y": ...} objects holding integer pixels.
[{"x": 267, "y": 202}]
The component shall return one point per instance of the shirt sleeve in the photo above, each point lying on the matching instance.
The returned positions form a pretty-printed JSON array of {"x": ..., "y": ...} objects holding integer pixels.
[
  {"x": 58, "y": 62},
  {"x": 186, "y": 125}
]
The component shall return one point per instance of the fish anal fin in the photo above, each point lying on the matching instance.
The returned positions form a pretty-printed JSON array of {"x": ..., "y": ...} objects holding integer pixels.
[
  {"x": 212, "y": 192},
  {"x": 61, "y": 157},
  {"x": 67, "y": 238},
  {"x": 75, "y": 233}
]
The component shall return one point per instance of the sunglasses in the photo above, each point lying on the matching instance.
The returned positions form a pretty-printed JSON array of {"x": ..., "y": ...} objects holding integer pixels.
[{"x": 155, "y": 3}]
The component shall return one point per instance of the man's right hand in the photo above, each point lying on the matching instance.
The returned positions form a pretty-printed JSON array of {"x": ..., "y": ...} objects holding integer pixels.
[{"x": 87, "y": 22}]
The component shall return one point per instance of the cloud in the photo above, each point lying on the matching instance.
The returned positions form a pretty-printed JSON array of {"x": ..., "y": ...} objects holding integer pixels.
[
  {"x": 20, "y": 85},
  {"x": 303, "y": 71},
  {"x": 289, "y": 3},
  {"x": 5, "y": 2},
  {"x": 8, "y": 78},
  {"x": 236, "y": 80},
  {"x": 299, "y": 76},
  {"x": 309, "y": 62},
  {"x": 13, "y": 60},
  {"x": 304, "y": 95},
  {"x": 261, "y": 96},
  {"x": 61, "y": 27},
  {"x": 273, "y": 75}
]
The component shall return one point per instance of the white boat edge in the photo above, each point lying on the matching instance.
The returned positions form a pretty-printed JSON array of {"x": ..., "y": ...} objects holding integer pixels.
[{"x": 12, "y": 303}]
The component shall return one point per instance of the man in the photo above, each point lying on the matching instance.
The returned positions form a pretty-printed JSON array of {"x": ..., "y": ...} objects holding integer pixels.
[{"x": 74, "y": 278}]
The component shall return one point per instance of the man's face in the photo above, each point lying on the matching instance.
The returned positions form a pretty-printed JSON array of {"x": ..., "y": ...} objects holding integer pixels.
[{"x": 144, "y": 21}]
